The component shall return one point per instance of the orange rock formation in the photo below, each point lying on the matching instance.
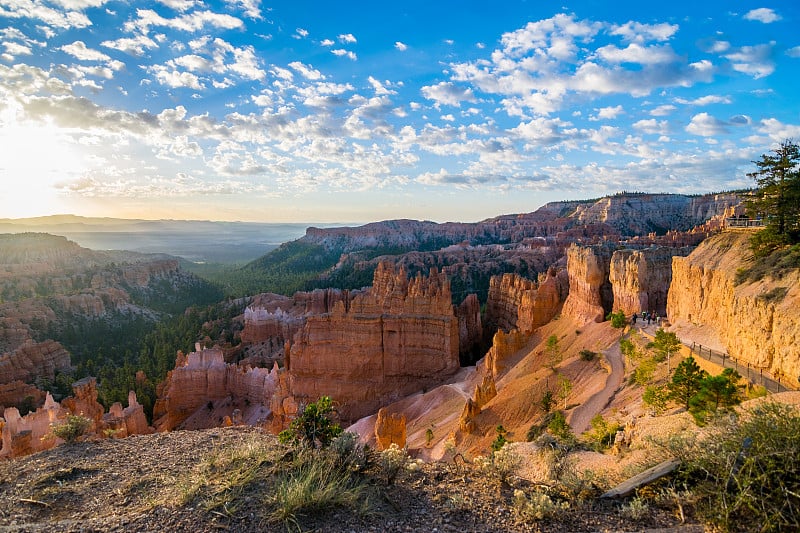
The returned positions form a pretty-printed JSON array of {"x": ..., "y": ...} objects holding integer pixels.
[
  {"x": 395, "y": 338},
  {"x": 640, "y": 278},
  {"x": 202, "y": 378},
  {"x": 517, "y": 303},
  {"x": 390, "y": 428},
  {"x": 590, "y": 293},
  {"x": 23, "y": 435}
]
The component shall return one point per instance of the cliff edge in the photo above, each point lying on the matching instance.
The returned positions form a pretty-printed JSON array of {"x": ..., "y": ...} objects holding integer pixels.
[{"x": 755, "y": 322}]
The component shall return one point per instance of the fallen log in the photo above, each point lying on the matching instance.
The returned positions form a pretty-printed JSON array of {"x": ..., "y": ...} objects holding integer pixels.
[{"x": 648, "y": 476}]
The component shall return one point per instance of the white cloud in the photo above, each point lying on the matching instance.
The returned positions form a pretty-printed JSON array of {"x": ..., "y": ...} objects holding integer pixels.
[
  {"x": 608, "y": 113},
  {"x": 663, "y": 110},
  {"x": 762, "y": 14},
  {"x": 544, "y": 131},
  {"x": 300, "y": 33},
  {"x": 176, "y": 79},
  {"x": 636, "y": 53},
  {"x": 652, "y": 126},
  {"x": 538, "y": 66},
  {"x": 637, "y": 32},
  {"x": 194, "y": 63},
  {"x": 447, "y": 93},
  {"x": 777, "y": 131},
  {"x": 705, "y": 100},
  {"x": 327, "y": 42},
  {"x": 539, "y": 35},
  {"x": 79, "y": 50},
  {"x": 719, "y": 46},
  {"x": 70, "y": 17},
  {"x": 178, "y": 5},
  {"x": 344, "y": 53},
  {"x": 706, "y": 125},
  {"x": 131, "y": 45},
  {"x": 753, "y": 60},
  {"x": 307, "y": 71},
  {"x": 401, "y": 46},
  {"x": 192, "y": 22},
  {"x": 380, "y": 88},
  {"x": 347, "y": 38},
  {"x": 793, "y": 52},
  {"x": 16, "y": 49},
  {"x": 251, "y": 8}
]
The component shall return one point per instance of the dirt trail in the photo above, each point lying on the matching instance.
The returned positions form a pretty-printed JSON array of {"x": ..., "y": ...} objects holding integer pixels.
[{"x": 583, "y": 414}]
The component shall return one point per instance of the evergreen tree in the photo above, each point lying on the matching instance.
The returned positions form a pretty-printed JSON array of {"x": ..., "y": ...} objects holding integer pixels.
[
  {"x": 665, "y": 344},
  {"x": 717, "y": 393},
  {"x": 686, "y": 381},
  {"x": 553, "y": 351},
  {"x": 777, "y": 198}
]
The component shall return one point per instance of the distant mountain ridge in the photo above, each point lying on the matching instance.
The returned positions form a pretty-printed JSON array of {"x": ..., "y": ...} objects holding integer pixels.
[
  {"x": 197, "y": 241},
  {"x": 630, "y": 214}
]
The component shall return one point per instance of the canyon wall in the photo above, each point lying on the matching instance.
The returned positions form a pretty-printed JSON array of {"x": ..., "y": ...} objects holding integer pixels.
[
  {"x": 33, "y": 360},
  {"x": 640, "y": 279},
  {"x": 395, "y": 338},
  {"x": 590, "y": 293},
  {"x": 757, "y": 322},
  {"x": 518, "y": 303},
  {"x": 23, "y": 435},
  {"x": 639, "y": 214},
  {"x": 626, "y": 214},
  {"x": 272, "y": 320},
  {"x": 202, "y": 378}
]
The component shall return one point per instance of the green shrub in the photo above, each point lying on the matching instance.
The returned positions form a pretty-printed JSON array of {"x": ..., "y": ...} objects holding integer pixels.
[
  {"x": 588, "y": 355},
  {"x": 314, "y": 484},
  {"x": 537, "y": 506},
  {"x": 314, "y": 425},
  {"x": 546, "y": 402},
  {"x": 655, "y": 398},
  {"x": 392, "y": 461},
  {"x": 602, "y": 433},
  {"x": 618, "y": 319},
  {"x": 559, "y": 428},
  {"x": 745, "y": 476},
  {"x": 72, "y": 428},
  {"x": 500, "y": 440},
  {"x": 643, "y": 373}
]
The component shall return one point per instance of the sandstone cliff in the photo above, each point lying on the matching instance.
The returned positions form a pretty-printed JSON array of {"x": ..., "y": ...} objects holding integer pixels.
[
  {"x": 640, "y": 279},
  {"x": 397, "y": 337},
  {"x": 639, "y": 214},
  {"x": 23, "y": 435},
  {"x": 590, "y": 294},
  {"x": 202, "y": 378},
  {"x": 626, "y": 214},
  {"x": 757, "y": 323},
  {"x": 272, "y": 320},
  {"x": 517, "y": 303},
  {"x": 33, "y": 360}
]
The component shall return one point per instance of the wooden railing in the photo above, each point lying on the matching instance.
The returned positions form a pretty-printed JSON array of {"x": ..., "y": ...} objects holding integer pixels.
[{"x": 744, "y": 222}]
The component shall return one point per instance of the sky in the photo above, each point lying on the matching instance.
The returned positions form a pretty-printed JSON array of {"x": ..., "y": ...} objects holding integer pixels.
[{"x": 307, "y": 111}]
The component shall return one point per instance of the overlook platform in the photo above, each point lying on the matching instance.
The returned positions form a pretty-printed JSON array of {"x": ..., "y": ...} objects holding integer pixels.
[{"x": 739, "y": 224}]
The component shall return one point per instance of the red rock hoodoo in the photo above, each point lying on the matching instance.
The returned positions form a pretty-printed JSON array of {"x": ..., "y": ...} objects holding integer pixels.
[{"x": 395, "y": 338}]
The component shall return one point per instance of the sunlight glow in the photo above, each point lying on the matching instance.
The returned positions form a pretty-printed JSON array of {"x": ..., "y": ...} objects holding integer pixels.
[{"x": 33, "y": 160}]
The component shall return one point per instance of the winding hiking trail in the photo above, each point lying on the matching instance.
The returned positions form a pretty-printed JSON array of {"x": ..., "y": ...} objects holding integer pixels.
[{"x": 583, "y": 414}]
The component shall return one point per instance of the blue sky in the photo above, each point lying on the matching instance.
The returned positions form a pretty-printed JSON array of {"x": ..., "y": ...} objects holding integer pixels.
[{"x": 362, "y": 111}]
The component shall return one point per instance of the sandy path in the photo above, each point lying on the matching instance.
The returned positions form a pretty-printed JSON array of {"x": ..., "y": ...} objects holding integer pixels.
[{"x": 583, "y": 414}]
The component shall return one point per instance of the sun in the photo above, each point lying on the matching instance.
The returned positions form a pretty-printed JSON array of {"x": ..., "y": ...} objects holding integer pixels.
[{"x": 34, "y": 158}]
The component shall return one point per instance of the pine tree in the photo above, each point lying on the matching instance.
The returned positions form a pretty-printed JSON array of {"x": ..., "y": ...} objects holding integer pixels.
[
  {"x": 777, "y": 198},
  {"x": 717, "y": 393},
  {"x": 665, "y": 344},
  {"x": 686, "y": 381}
]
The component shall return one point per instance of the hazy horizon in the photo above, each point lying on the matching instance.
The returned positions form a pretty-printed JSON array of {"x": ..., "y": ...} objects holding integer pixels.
[{"x": 238, "y": 110}]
